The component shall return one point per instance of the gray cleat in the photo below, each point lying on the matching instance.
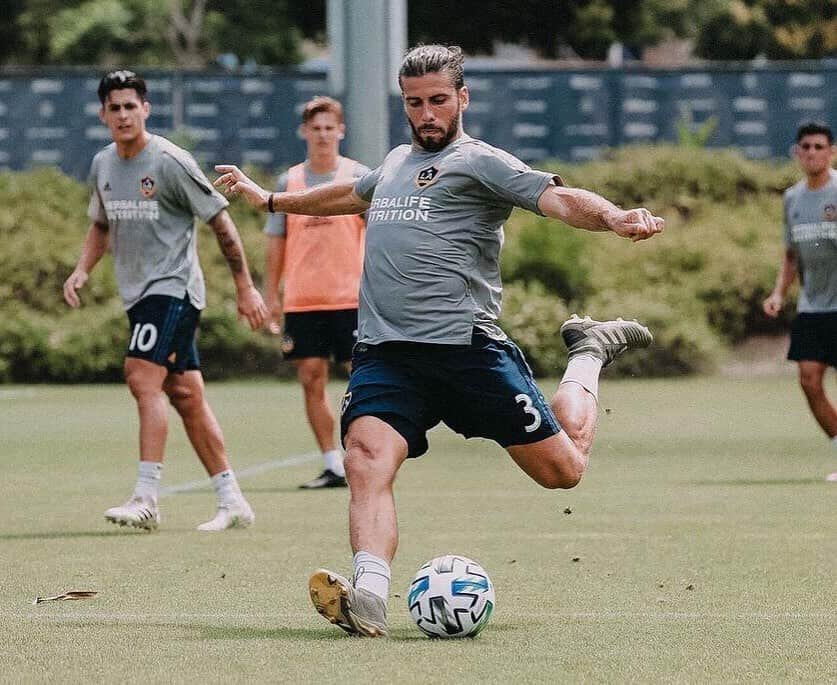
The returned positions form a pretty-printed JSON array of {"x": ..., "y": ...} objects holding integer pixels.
[
  {"x": 603, "y": 340},
  {"x": 355, "y": 610}
]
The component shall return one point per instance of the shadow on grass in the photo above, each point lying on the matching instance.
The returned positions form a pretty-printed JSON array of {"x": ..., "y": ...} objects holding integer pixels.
[
  {"x": 748, "y": 481},
  {"x": 71, "y": 534}
]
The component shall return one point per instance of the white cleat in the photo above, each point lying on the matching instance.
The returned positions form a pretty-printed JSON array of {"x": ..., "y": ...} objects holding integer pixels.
[
  {"x": 233, "y": 515},
  {"x": 136, "y": 513}
]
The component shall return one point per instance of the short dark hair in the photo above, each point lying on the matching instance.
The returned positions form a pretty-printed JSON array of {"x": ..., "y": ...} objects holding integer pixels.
[
  {"x": 118, "y": 80},
  {"x": 431, "y": 59},
  {"x": 815, "y": 128},
  {"x": 319, "y": 104}
]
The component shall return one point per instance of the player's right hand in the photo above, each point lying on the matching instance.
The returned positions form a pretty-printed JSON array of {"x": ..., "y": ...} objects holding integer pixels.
[
  {"x": 235, "y": 182},
  {"x": 76, "y": 280},
  {"x": 274, "y": 314},
  {"x": 773, "y": 305}
]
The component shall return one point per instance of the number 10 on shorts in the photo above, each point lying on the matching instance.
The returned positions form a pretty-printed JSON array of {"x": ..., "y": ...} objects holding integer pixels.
[{"x": 144, "y": 337}]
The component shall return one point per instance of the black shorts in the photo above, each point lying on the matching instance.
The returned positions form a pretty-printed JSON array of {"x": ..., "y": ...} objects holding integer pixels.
[
  {"x": 163, "y": 331},
  {"x": 484, "y": 389},
  {"x": 814, "y": 338},
  {"x": 330, "y": 334}
]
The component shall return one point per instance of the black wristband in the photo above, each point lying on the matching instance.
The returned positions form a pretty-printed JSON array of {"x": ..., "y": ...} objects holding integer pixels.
[{"x": 270, "y": 203}]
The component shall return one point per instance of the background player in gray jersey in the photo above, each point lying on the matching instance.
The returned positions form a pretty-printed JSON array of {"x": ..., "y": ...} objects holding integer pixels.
[
  {"x": 145, "y": 197},
  {"x": 429, "y": 349},
  {"x": 811, "y": 253}
]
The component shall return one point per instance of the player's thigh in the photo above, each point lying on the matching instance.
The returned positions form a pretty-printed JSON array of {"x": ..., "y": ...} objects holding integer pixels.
[
  {"x": 811, "y": 375},
  {"x": 554, "y": 462},
  {"x": 343, "y": 334},
  {"x": 162, "y": 331},
  {"x": 305, "y": 334},
  {"x": 489, "y": 392},
  {"x": 392, "y": 390}
]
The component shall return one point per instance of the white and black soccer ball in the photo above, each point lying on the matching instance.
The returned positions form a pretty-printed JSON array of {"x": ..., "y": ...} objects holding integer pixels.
[{"x": 451, "y": 596}]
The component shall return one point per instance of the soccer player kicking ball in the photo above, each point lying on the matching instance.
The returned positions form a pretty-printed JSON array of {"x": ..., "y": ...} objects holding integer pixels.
[
  {"x": 145, "y": 197},
  {"x": 429, "y": 348}
]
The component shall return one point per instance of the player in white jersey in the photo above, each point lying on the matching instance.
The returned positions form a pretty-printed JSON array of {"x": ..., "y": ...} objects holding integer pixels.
[
  {"x": 429, "y": 348},
  {"x": 810, "y": 210},
  {"x": 146, "y": 194}
]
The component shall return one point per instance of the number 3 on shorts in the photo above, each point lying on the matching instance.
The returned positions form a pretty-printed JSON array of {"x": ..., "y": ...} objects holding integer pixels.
[{"x": 526, "y": 401}]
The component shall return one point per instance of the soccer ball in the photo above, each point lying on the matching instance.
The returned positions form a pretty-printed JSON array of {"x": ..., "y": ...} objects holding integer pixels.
[{"x": 451, "y": 596}]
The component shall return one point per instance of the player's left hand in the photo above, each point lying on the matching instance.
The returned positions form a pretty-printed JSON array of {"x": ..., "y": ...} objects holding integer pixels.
[
  {"x": 251, "y": 307},
  {"x": 234, "y": 181},
  {"x": 635, "y": 224}
]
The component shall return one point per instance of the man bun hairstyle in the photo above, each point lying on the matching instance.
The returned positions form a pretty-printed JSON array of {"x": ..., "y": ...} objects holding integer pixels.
[
  {"x": 119, "y": 80},
  {"x": 432, "y": 59},
  {"x": 815, "y": 128},
  {"x": 319, "y": 104}
]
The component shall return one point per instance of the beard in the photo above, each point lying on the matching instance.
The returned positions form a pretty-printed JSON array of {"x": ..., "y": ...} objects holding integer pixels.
[{"x": 435, "y": 145}]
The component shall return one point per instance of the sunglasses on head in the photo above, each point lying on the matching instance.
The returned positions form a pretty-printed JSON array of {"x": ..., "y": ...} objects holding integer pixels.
[{"x": 816, "y": 146}]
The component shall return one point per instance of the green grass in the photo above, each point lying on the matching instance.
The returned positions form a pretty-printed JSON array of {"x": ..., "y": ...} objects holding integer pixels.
[{"x": 703, "y": 531}]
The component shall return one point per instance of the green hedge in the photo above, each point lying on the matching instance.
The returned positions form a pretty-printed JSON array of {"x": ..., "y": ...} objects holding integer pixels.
[{"x": 699, "y": 285}]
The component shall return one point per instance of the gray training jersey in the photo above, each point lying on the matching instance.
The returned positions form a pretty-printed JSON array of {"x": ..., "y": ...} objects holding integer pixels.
[
  {"x": 433, "y": 236},
  {"x": 275, "y": 224},
  {"x": 149, "y": 204},
  {"x": 811, "y": 230}
]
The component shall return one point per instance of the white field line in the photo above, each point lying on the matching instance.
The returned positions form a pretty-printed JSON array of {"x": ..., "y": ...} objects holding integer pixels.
[
  {"x": 674, "y": 616},
  {"x": 17, "y": 394},
  {"x": 241, "y": 474}
]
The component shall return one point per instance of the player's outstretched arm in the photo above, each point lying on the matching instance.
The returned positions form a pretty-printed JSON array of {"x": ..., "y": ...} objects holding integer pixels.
[
  {"x": 250, "y": 303},
  {"x": 95, "y": 245},
  {"x": 583, "y": 209},
  {"x": 325, "y": 200}
]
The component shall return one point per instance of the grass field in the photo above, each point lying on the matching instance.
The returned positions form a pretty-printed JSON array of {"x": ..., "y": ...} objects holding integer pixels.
[{"x": 700, "y": 547}]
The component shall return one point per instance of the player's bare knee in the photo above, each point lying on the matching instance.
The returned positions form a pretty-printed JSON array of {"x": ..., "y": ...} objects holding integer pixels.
[
  {"x": 141, "y": 385},
  {"x": 560, "y": 478},
  {"x": 183, "y": 398}
]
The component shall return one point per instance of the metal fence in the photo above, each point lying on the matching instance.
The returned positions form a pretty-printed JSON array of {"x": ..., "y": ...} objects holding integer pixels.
[{"x": 51, "y": 117}]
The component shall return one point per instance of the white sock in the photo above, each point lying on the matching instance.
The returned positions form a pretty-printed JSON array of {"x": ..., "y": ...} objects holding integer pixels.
[
  {"x": 226, "y": 487},
  {"x": 148, "y": 480},
  {"x": 334, "y": 462},
  {"x": 372, "y": 573},
  {"x": 584, "y": 369}
]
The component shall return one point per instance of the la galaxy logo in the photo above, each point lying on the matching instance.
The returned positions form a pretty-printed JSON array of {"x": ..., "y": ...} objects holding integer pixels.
[
  {"x": 147, "y": 187},
  {"x": 427, "y": 176},
  {"x": 829, "y": 212}
]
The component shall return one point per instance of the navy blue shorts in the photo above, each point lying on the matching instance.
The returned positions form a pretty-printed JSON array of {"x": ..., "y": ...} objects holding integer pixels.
[
  {"x": 163, "y": 331},
  {"x": 814, "y": 338},
  {"x": 326, "y": 334},
  {"x": 482, "y": 390}
]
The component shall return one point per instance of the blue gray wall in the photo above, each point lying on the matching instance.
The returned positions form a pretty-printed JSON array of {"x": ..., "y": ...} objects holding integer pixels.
[{"x": 51, "y": 117}]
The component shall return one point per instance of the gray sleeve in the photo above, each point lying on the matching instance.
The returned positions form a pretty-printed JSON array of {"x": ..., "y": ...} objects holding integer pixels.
[
  {"x": 365, "y": 185},
  {"x": 275, "y": 224},
  {"x": 191, "y": 186},
  {"x": 506, "y": 177},
  {"x": 95, "y": 208}
]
